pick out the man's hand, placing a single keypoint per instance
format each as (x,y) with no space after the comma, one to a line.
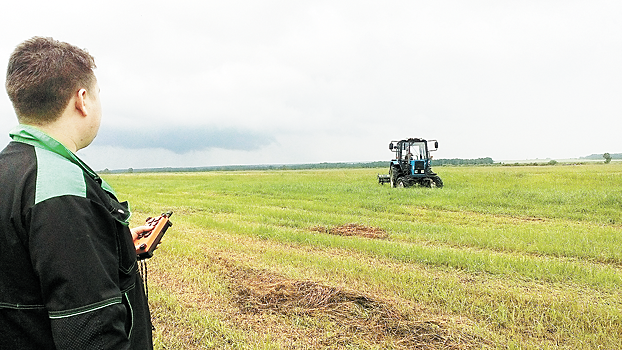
(138,230)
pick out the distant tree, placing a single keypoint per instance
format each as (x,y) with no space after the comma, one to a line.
(607,157)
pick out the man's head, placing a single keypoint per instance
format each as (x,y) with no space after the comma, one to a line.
(42,76)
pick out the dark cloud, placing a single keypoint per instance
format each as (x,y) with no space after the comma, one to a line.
(182,139)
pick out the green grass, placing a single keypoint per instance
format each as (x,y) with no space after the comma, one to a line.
(518,257)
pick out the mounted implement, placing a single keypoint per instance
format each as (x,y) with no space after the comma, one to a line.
(412,164)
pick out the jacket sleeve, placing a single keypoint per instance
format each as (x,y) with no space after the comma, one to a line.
(74,248)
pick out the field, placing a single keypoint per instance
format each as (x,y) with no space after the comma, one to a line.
(500,258)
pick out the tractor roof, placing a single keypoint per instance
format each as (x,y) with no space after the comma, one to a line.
(411,140)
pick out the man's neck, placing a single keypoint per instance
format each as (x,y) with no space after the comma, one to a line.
(61,133)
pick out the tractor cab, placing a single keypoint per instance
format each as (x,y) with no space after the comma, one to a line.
(412,155)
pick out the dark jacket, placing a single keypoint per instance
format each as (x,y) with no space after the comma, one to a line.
(68,270)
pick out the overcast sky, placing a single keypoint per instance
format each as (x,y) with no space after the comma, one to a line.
(200,83)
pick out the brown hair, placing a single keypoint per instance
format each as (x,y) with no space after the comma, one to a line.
(43,74)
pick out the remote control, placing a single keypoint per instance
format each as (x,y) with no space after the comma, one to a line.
(147,242)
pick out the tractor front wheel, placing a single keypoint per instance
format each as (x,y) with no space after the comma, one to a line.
(438,183)
(401,183)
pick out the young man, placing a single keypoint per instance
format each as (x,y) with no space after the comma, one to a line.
(68,271)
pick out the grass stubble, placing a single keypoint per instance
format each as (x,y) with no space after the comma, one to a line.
(263,309)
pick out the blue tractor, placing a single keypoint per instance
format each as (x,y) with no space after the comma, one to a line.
(412,164)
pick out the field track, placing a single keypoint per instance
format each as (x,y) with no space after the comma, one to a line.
(500,258)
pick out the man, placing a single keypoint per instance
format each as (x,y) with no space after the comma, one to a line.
(68,271)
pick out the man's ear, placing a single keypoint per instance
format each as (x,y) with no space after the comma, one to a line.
(81,102)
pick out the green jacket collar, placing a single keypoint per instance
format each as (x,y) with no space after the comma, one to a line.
(35,137)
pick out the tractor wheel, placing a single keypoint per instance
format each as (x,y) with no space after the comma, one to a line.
(438,183)
(393,177)
(401,183)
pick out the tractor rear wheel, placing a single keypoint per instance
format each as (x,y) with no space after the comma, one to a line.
(393,177)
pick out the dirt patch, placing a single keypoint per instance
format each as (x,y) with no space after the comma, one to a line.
(352,230)
(351,316)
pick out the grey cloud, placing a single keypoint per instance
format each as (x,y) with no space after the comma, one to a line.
(182,139)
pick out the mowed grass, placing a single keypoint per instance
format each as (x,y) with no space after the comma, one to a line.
(501,257)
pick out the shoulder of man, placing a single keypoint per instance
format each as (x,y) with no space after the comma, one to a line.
(57,176)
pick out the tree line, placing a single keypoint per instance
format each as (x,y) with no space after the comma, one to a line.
(599,156)
(459,161)
(325,165)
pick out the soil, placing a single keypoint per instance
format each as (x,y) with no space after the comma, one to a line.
(352,230)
